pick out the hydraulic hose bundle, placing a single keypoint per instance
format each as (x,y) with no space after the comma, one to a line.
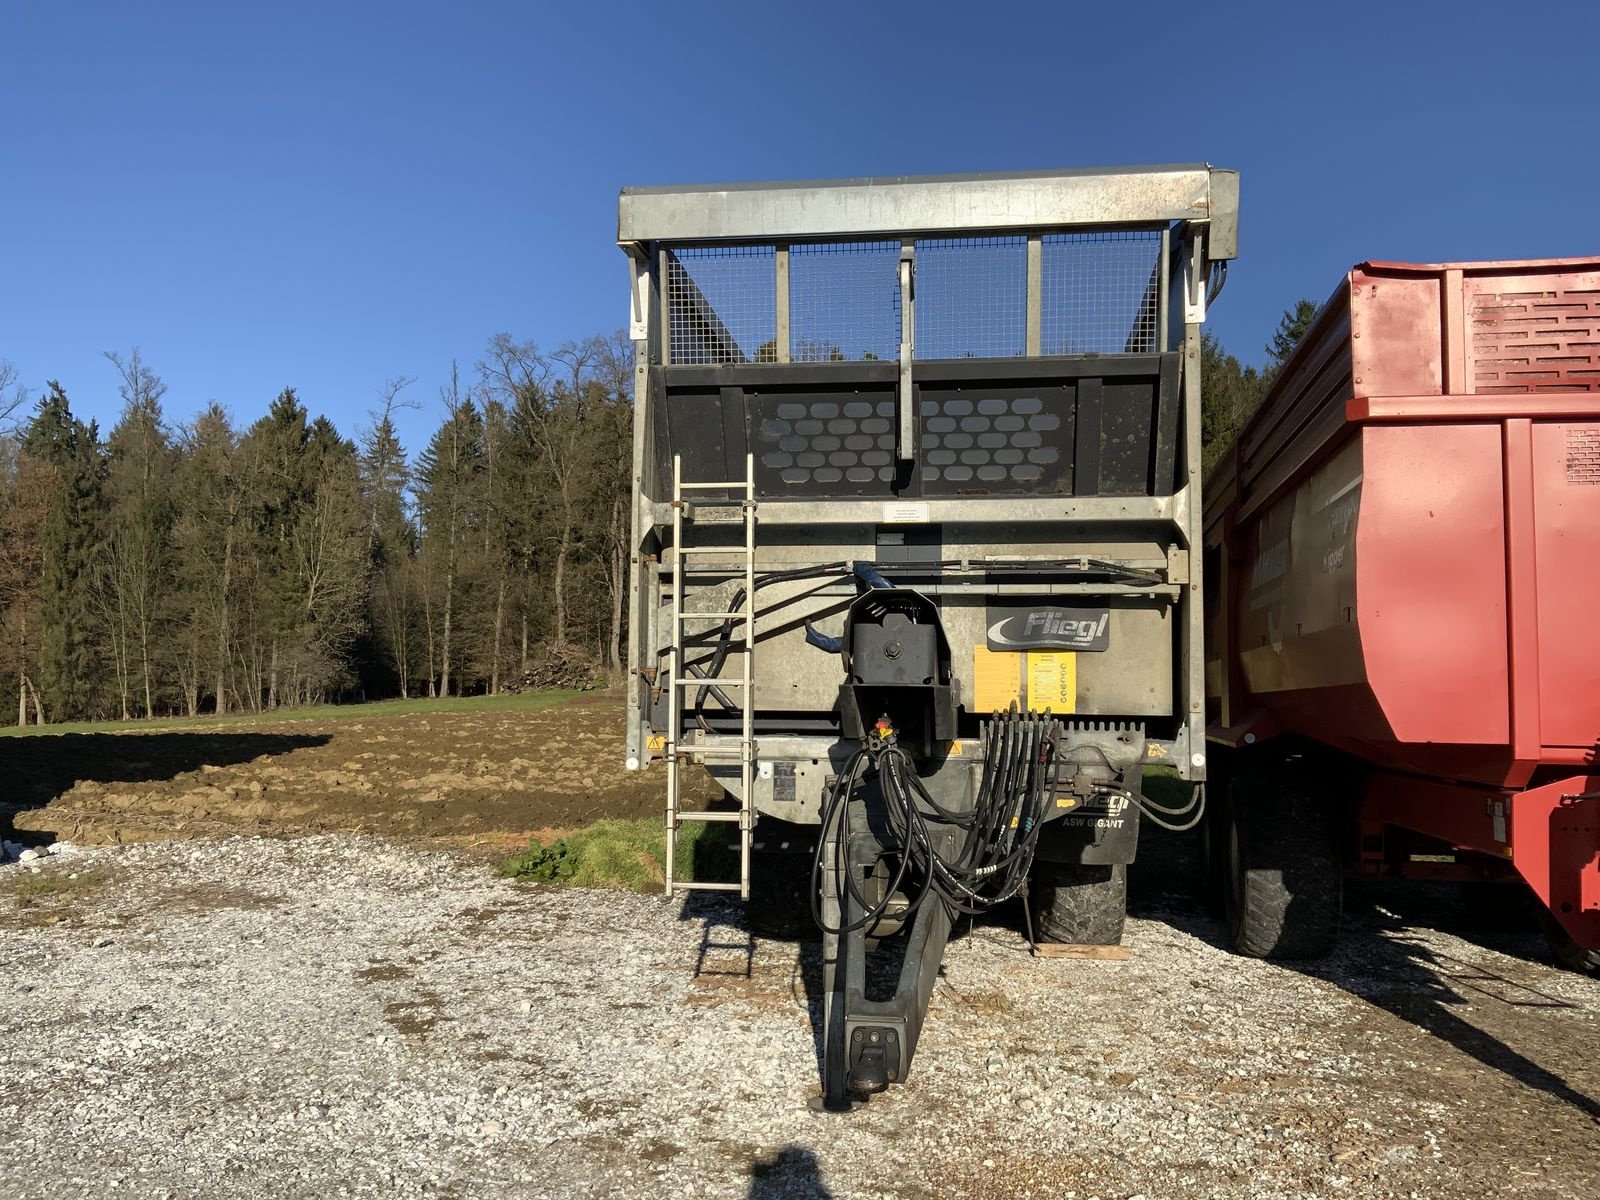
(998,837)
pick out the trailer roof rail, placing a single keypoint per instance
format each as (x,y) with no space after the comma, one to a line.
(914,204)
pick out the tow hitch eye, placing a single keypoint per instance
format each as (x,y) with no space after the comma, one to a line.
(874,1058)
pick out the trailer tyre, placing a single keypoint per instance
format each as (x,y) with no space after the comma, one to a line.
(1285,874)
(1566,949)
(1080,904)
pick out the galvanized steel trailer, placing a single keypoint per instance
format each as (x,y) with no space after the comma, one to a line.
(916,474)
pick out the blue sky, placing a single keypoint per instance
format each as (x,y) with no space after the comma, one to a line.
(328,195)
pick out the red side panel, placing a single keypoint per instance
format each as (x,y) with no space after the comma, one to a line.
(1566,503)
(1555,840)
(1430,549)
(1395,319)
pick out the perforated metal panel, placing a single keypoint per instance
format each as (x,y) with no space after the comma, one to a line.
(996,440)
(814,445)
(1535,333)
(1088,426)
(1583,456)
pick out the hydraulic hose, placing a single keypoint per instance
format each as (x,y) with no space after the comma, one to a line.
(1001,833)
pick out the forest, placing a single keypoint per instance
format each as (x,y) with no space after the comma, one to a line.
(209,566)
(212,566)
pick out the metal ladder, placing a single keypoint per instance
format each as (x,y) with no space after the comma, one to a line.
(678,679)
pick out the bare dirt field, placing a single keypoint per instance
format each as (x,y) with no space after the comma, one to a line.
(363,1013)
(483,777)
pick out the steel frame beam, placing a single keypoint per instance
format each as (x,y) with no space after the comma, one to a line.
(899,206)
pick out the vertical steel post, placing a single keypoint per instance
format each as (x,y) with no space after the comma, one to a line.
(639,523)
(904,442)
(674,670)
(1035,295)
(747,803)
(1191,703)
(780,272)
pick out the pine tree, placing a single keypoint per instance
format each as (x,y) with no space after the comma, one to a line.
(209,537)
(391,547)
(1292,327)
(72,681)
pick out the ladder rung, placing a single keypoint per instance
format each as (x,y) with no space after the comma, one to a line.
(682,550)
(719,682)
(706,616)
(719,815)
(707,485)
(729,752)
(679,886)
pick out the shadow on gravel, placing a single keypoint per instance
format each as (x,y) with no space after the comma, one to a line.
(791,1174)
(1416,983)
(1375,960)
(727,946)
(39,768)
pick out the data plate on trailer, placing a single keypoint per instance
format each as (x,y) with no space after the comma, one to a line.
(783,781)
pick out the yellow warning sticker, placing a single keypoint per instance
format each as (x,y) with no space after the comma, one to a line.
(655,743)
(996,679)
(1053,680)
(1036,679)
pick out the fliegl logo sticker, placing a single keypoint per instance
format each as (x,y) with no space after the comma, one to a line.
(1049,628)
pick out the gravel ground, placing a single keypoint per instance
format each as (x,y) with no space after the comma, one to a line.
(335,1015)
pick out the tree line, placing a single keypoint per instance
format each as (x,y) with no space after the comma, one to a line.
(204,566)
(1230,391)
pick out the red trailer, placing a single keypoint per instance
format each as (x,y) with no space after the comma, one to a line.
(1402,561)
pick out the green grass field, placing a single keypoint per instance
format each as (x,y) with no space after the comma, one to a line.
(321,714)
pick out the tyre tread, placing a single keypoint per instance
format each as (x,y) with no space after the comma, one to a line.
(1291,890)
(1081,905)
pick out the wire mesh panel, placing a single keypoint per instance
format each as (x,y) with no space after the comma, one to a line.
(722,304)
(844,301)
(972,297)
(1100,292)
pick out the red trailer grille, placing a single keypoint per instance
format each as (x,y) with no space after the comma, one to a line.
(1535,333)
(1583,455)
